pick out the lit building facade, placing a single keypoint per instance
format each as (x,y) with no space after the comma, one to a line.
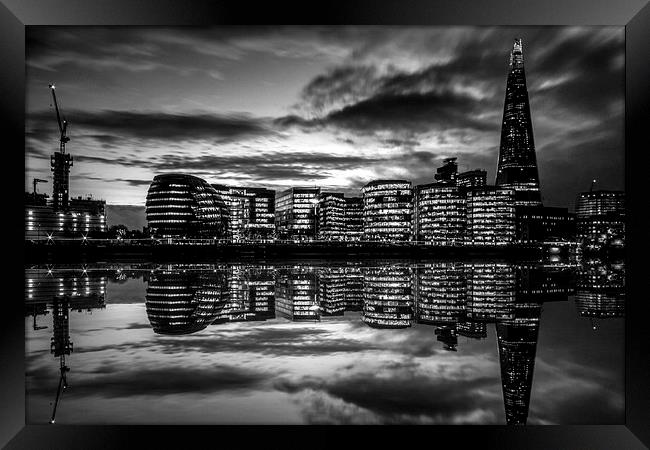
(251,295)
(440,216)
(387,297)
(353,293)
(295,213)
(490,216)
(517,167)
(387,210)
(331,216)
(331,290)
(184,206)
(251,211)
(600,218)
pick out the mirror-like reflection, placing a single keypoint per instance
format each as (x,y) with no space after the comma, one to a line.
(457,317)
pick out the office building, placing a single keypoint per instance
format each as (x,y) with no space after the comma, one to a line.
(331,290)
(251,212)
(330,210)
(440,216)
(184,206)
(440,293)
(490,216)
(447,173)
(84,217)
(490,291)
(353,293)
(295,213)
(600,218)
(353,218)
(387,210)
(517,167)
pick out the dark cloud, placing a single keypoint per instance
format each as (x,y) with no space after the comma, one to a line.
(158,125)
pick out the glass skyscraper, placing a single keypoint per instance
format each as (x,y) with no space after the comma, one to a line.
(517,163)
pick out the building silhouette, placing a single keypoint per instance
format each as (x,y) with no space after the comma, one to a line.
(517,167)
(472,178)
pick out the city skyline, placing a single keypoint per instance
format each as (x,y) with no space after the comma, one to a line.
(347,107)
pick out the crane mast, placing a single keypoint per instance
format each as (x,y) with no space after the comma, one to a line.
(63,124)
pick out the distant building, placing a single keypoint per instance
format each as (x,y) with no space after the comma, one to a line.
(440,293)
(353,218)
(295,213)
(83,217)
(184,206)
(490,216)
(387,210)
(543,224)
(251,211)
(440,214)
(331,223)
(60,164)
(600,218)
(472,178)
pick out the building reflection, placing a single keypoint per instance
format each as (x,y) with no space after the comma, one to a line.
(331,290)
(387,297)
(181,301)
(251,295)
(490,291)
(600,291)
(296,294)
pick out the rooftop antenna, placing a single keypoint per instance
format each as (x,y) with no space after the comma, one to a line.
(593,182)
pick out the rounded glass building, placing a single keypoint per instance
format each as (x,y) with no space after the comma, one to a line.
(387,210)
(185,206)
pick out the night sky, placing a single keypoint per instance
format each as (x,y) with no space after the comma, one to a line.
(329,106)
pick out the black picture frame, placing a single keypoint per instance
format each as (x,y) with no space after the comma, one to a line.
(633,14)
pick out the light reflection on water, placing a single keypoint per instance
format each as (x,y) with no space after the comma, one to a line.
(445,342)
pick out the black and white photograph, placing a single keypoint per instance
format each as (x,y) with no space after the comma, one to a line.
(325,225)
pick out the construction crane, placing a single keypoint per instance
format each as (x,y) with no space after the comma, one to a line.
(593,183)
(63,124)
(38,180)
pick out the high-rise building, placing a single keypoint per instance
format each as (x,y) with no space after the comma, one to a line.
(60,164)
(295,213)
(600,218)
(517,162)
(251,211)
(185,206)
(387,210)
(440,215)
(472,178)
(387,297)
(331,216)
(353,218)
(490,216)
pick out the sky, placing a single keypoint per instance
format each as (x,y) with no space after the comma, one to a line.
(330,106)
(337,371)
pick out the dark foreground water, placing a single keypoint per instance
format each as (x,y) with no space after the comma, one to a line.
(439,343)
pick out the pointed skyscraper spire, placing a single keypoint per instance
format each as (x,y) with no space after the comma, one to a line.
(517,163)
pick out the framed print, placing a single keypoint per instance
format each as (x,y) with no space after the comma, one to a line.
(262,220)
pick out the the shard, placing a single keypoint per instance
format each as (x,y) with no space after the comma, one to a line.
(517,163)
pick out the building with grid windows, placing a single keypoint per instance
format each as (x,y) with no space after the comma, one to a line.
(353,218)
(387,297)
(251,211)
(295,213)
(330,211)
(296,294)
(84,217)
(440,216)
(387,210)
(600,218)
(490,216)
(185,206)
